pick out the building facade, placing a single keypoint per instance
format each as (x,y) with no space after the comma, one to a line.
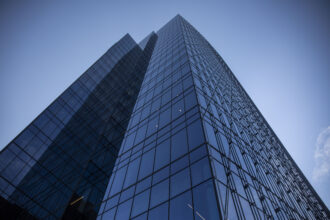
(156,130)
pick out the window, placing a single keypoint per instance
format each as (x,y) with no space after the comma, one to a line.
(201,99)
(118,181)
(180,207)
(179,144)
(147,164)
(132,172)
(140,203)
(141,132)
(144,184)
(177,109)
(220,172)
(205,204)
(152,126)
(159,213)
(162,154)
(129,141)
(140,217)
(161,175)
(200,171)
(166,97)
(180,182)
(190,100)
(198,154)
(238,184)
(231,214)
(176,90)
(112,202)
(187,82)
(110,214)
(195,134)
(155,105)
(246,209)
(128,193)
(225,144)
(179,164)
(122,212)
(164,117)
(159,193)
(210,135)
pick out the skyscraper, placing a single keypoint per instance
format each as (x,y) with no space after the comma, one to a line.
(159,130)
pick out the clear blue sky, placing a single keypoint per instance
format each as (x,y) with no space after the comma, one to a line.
(279,50)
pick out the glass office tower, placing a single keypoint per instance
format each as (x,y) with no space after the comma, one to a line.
(156,130)
(59,166)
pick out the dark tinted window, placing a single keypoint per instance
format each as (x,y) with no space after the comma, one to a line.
(205,202)
(180,182)
(181,207)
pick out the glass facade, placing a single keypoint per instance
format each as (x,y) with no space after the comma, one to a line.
(156,130)
(59,166)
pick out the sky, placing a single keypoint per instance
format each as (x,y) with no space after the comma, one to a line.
(279,51)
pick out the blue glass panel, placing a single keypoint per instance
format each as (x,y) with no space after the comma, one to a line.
(240,157)
(225,144)
(198,154)
(205,204)
(176,90)
(140,203)
(162,154)
(144,184)
(179,164)
(155,105)
(220,172)
(145,112)
(161,175)
(181,207)
(109,215)
(166,97)
(246,209)
(231,208)
(185,69)
(159,213)
(179,144)
(128,193)
(256,197)
(187,82)
(177,109)
(195,134)
(201,99)
(159,193)
(141,217)
(123,210)
(146,164)
(210,135)
(190,100)
(152,126)
(215,154)
(118,181)
(164,117)
(112,202)
(129,141)
(132,172)
(200,171)
(180,182)
(140,134)
(238,184)
(6,157)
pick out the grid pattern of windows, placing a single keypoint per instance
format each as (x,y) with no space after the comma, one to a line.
(156,130)
(163,168)
(255,176)
(197,147)
(59,165)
